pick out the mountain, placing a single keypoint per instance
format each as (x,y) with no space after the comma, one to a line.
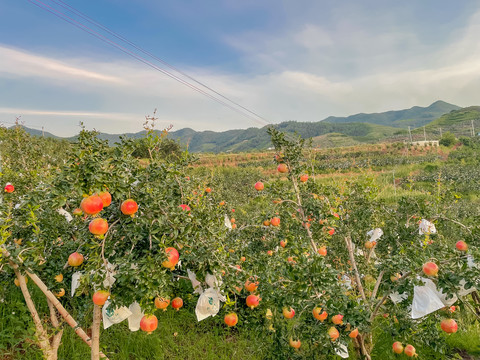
(333,131)
(414,117)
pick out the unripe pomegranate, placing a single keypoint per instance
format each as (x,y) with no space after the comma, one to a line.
(333,333)
(177,303)
(319,315)
(370,244)
(449,326)
(430,269)
(59,278)
(106,198)
(162,303)
(100,297)
(461,245)
(129,207)
(259,186)
(98,226)
(251,286)
(337,319)
(252,301)
(282,168)
(60,293)
(288,313)
(172,258)
(397,347)
(283,243)
(231,319)
(295,344)
(91,205)
(270,253)
(410,351)
(77,212)
(275,221)
(75,259)
(149,323)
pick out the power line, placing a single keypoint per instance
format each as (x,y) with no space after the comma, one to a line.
(87,29)
(113,33)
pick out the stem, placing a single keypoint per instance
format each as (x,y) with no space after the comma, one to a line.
(363,347)
(377,285)
(302,213)
(348,242)
(97,313)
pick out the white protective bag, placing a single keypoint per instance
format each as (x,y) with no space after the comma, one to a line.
(427,299)
(111,317)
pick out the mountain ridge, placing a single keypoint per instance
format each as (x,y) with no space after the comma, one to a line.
(356,128)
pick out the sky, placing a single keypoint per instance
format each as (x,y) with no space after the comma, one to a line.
(280,60)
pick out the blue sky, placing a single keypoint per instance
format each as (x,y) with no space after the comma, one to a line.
(285,60)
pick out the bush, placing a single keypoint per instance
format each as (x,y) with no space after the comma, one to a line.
(448,139)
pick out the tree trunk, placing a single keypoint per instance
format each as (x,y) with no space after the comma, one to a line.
(97,313)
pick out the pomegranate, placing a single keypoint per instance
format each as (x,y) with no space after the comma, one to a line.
(251,286)
(410,351)
(91,205)
(162,303)
(100,297)
(106,198)
(60,293)
(252,301)
(304,178)
(149,323)
(59,278)
(337,319)
(98,226)
(172,258)
(129,207)
(319,315)
(288,313)
(75,259)
(323,251)
(397,347)
(283,243)
(184,207)
(177,303)
(354,333)
(295,344)
(333,333)
(208,190)
(9,188)
(461,245)
(449,326)
(275,221)
(231,319)
(282,168)
(259,186)
(430,269)
(77,212)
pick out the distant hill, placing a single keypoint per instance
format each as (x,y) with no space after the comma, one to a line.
(333,131)
(414,117)
(457,116)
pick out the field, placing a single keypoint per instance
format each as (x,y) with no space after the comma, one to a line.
(226,227)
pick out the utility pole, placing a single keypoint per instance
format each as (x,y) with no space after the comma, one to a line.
(440,133)
(43,132)
(473,130)
(410,134)
(424,134)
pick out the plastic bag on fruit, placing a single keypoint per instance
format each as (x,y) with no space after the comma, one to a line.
(427,299)
(134,319)
(397,297)
(66,214)
(75,281)
(375,234)
(197,285)
(208,303)
(426,227)
(228,223)
(342,351)
(111,316)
